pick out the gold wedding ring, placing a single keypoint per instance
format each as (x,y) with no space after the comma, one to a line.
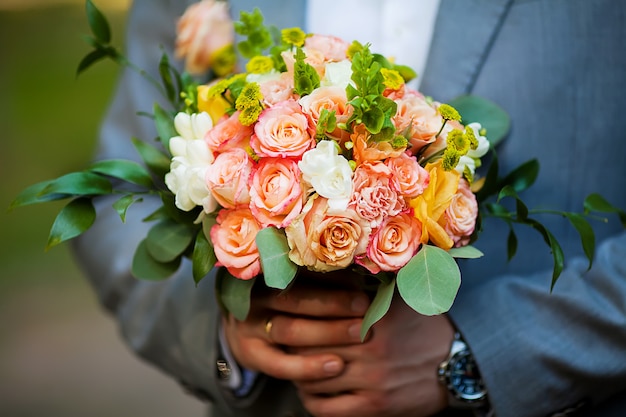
(268,327)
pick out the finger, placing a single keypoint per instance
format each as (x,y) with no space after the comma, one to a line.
(318,302)
(303,332)
(343,404)
(274,362)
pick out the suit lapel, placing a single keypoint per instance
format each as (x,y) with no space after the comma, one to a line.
(464,33)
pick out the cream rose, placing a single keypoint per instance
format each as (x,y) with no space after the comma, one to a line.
(282,131)
(233,241)
(393,244)
(227,178)
(324,240)
(460,216)
(276,196)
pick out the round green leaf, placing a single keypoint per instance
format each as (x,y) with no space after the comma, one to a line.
(379,307)
(278,270)
(466,252)
(429,282)
(167,240)
(491,116)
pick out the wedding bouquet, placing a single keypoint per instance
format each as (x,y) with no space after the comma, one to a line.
(318,156)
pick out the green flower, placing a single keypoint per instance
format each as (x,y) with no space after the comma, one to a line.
(249,103)
(392,78)
(260,65)
(449,113)
(293,36)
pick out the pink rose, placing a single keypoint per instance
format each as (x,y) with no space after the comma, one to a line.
(331,99)
(460,216)
(276,195)
(204,28)
(421,117)
(393,244)
(227,178)
(331,47)
(375,193)
(228,133)
(282,131)
(324,240)
(411,176)
(277,90)
(233,241)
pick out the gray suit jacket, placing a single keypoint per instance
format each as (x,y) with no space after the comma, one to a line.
(558,68)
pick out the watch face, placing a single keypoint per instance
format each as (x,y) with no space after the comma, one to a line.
(464,377)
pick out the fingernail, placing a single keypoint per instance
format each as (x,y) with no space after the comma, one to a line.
(360,304)
(332,367)
(355,331)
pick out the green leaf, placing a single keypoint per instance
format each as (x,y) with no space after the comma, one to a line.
(521,209)
(129,171)
(74,219)
(155,160)
(466,252)
(147,268)
(168,239)
(90,59)
(278,269)
(121,205)
(98,23)
(379,307)
(164,125)
(490,187)
(429,282)
(587,235)
(511,244)
(555,248)
(491,116)
(203,258)
(595,202)
(235,294)
(523,176)
(33,195)
(80,184)
(166,78)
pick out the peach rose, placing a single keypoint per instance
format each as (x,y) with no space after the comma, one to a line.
(331,47)
(375,193)
(331,99)
(324,240)
(277,90)
(227,178)
(228,133)
(233,241)
(276,195)
(423,119)
(282,131)
(365,150)
(412,177)
(460,216)
(393,244)
(204,29)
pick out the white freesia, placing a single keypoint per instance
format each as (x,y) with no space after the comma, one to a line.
(337,74)
(328,173)
(191,158)
(468,162)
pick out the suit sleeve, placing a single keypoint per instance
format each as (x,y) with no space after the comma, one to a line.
(539,351)
(172,323)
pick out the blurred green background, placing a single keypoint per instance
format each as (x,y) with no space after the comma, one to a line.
(60,354)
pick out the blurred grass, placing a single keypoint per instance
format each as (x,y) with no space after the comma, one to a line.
(49,120)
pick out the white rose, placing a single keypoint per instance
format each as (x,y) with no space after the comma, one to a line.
(328,173)
(337,74)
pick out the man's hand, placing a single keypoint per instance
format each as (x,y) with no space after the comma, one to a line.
(302,317)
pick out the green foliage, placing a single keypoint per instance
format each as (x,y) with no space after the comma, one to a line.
(147,268)
(121,206)
(379,306)
(125,170)
(491,116)
(98,23)
(274,250)
(203,257)
(234,294)
(155,160)
(168,240)
(74,219)
(258,36)
(305,77)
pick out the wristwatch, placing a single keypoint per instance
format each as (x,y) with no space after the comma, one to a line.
(459,373)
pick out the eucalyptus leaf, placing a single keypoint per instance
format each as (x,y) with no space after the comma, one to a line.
(203,257)
(466,252)
(155,160)
(164,124)
(121,206)
(587,235)
(168,240)
(429,282)
(278,270)
(491,116)
(98,23)
(147,268)
(379,306)
(79,184)
(33,195)
(122,169)
(235,294)
(74,219)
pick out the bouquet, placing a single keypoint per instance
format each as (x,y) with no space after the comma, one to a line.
(318,156)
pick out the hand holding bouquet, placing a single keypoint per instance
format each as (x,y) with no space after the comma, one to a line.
(319,156)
